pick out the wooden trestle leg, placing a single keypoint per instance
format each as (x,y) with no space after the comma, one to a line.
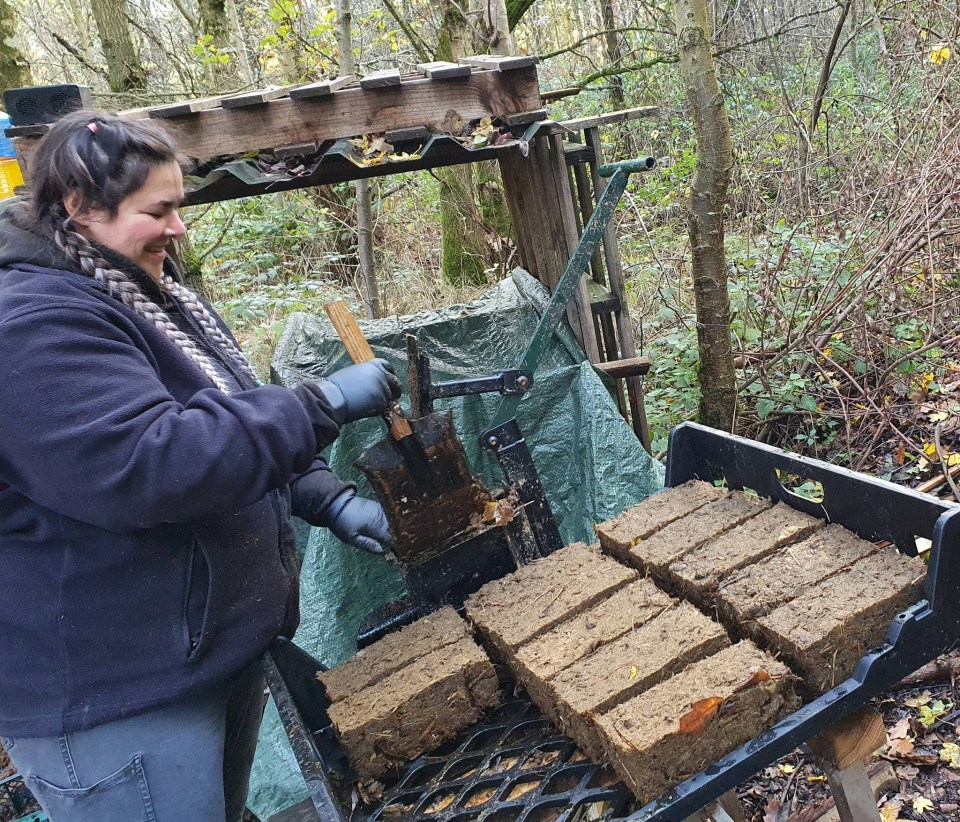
(843,752)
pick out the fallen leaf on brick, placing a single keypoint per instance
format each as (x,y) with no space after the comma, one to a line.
(701,712)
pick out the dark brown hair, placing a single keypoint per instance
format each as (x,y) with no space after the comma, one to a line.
(99,158)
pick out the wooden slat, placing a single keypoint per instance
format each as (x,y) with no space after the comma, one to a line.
(299,150)
(35,130)
(351,112)
(419,134)
(138,113)
(630,367)
(583,123)
(525,117)
(254,98)
(321,88)
(386,78)
(442,70)
(183,108)
(491,61)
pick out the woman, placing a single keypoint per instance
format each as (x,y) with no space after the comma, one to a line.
(146,560)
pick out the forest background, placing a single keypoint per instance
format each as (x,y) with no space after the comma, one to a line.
(840,213)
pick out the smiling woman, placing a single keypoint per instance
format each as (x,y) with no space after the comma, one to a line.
(146,558)
(145,223)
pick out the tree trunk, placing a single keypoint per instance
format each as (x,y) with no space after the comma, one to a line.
(14,69)
(614,53)
(215,24)
(463,257)
(125,71)
(361,188)
(705,215)
(81,20)
(464,246)
(494,214)
(492,27)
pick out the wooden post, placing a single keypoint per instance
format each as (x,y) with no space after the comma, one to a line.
(537,189)
(726,809)
(843,751)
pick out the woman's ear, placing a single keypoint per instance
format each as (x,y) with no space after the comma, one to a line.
(80,216)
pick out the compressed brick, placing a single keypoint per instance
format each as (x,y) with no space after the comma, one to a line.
(415,709)
(535,598)
(697,575)
(655,553)
(393,652)
(628,666)
(548,654)
(642,738)
(620,534)
(758,589)
(824,631)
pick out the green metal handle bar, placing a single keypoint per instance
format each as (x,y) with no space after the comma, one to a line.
(618,173)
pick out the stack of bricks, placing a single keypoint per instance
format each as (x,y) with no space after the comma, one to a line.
(409,692)
(682,640)
(601,640)
(815,594)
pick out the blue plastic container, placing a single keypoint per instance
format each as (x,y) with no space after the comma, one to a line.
(6,144)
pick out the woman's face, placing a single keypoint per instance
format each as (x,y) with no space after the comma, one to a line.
(145,223)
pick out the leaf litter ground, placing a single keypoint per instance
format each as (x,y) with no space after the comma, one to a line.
(923,748)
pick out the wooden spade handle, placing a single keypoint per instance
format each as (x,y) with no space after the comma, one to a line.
(350,334)
(360,351)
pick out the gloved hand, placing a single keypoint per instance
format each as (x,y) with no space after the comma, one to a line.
(359,522)
(361,390)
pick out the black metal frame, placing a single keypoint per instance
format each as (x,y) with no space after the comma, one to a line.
(874,509)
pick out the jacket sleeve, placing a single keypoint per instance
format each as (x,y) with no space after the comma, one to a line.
(312,492)
(91,432)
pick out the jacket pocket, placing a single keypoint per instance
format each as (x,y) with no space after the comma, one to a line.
(196,602)
(123,796)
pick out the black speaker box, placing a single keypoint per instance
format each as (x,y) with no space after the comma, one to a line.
(43,104)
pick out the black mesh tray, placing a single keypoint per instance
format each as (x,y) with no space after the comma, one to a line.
(874,509)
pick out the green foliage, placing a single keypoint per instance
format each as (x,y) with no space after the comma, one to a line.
(265,258)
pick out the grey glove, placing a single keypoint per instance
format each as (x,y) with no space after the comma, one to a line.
(359,522)
(361,390)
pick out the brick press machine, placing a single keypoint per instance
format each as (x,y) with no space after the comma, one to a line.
(514,764)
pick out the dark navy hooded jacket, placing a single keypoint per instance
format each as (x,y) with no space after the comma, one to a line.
(145,552)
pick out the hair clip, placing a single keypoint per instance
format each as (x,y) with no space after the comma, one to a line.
(92,126)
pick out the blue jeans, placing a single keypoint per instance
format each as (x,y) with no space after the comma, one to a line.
(186,762)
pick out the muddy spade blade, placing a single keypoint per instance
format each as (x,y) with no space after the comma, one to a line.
(424,511)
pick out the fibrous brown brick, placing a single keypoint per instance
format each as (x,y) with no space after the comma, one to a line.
(642,737)
(393,652)
(535,598)
(696,575)
(758,589)
(655,553)
(619,535)
(628,666)
(609,619)
(824,631)
(415,709)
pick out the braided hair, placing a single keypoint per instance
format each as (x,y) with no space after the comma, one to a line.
(99,160)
